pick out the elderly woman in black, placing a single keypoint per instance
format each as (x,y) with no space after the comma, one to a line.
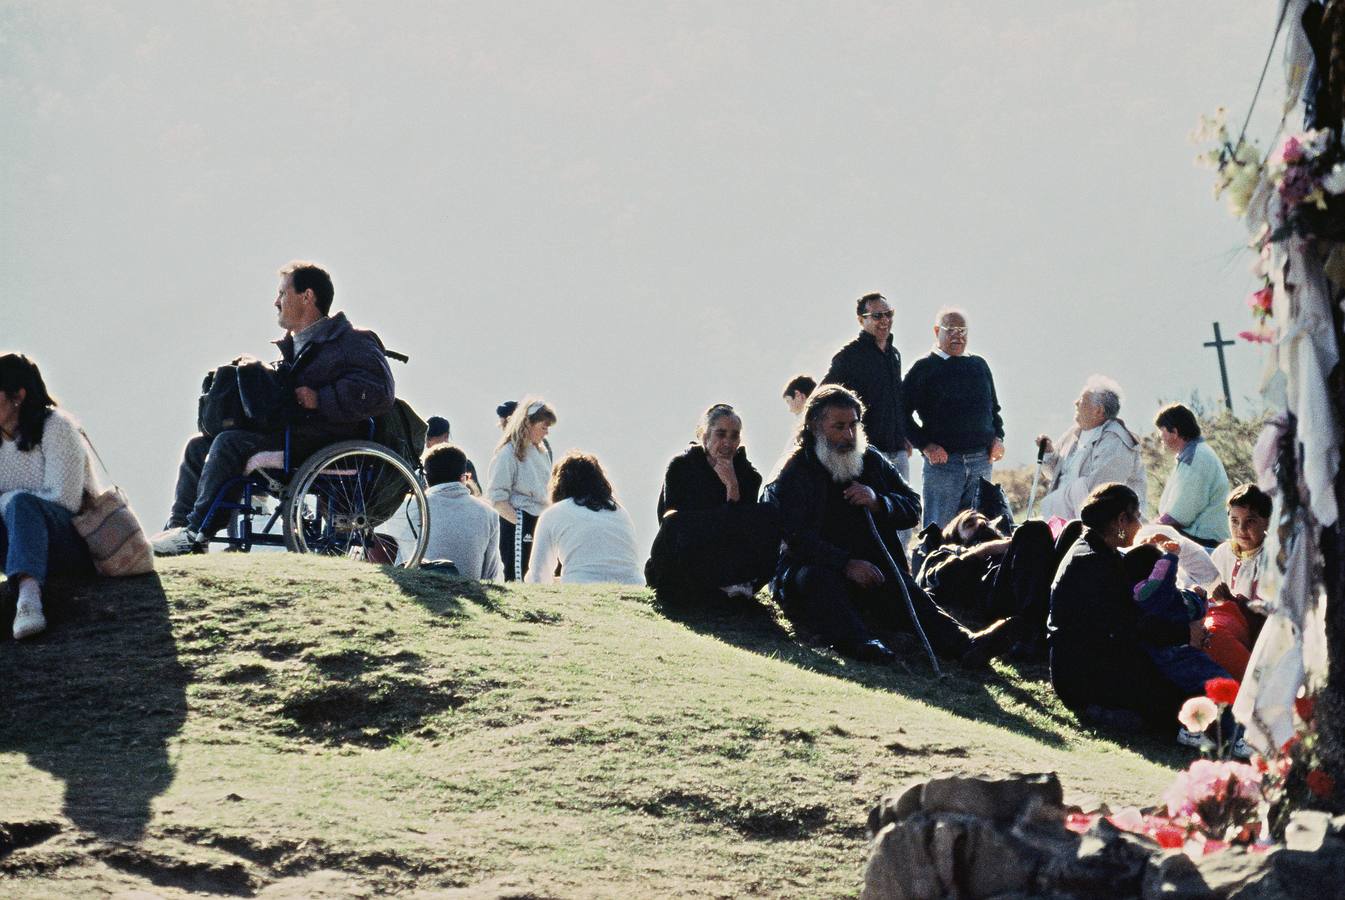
(1096,630)
(714,539)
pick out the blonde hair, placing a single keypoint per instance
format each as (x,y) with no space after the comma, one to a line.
(530,411)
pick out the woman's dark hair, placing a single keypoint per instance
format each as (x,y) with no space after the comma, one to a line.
(1251,497)
(1106,503)
(579,477)
(19,372)
(1175,417)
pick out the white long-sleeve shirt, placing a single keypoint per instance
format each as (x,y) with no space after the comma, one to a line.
(463,529)
(522,482)
(592,546)
(57,469)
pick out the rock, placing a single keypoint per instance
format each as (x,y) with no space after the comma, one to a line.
(925,857)
(1176,876)
(998,799)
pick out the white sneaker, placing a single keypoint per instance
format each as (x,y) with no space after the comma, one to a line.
(28,620)
(175,542)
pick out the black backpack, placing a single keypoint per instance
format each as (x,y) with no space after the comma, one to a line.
(245,394)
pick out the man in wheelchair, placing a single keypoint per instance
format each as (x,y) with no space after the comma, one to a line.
(340,380)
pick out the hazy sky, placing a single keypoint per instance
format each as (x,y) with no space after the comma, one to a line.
(634,209)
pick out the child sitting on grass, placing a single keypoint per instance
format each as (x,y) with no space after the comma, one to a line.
(1153,572)
(1236,611)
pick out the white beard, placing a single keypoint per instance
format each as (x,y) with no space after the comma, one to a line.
(842,466)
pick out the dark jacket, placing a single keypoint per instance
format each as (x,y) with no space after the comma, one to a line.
(874,374)
(691,483)
(347,368)
(1094,615)
(820,528)
(956,401)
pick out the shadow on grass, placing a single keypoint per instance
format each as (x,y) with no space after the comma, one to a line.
(443,594)
(96,699)
(754,626)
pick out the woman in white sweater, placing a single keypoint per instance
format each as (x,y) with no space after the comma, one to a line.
(44,470)
(584,530)
(517,483)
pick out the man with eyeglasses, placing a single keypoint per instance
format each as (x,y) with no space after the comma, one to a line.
(960,431)
(871,367)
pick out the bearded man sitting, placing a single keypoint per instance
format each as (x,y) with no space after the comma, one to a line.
(842,566)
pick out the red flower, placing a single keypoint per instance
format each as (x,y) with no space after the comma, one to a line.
(1262,300)
(1261,765)
(1170,836)
(1320,783)
(1289,745)
(1222,690)
(1305,706)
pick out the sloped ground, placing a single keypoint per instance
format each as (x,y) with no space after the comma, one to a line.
(285,726)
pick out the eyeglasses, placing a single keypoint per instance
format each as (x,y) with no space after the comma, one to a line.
(881,315)
(954,330)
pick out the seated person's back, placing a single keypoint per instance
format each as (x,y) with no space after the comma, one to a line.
(463,528)
(584,530)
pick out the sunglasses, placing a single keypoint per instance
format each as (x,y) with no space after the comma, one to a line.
(881,315)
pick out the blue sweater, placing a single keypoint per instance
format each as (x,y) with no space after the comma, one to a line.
(956,402)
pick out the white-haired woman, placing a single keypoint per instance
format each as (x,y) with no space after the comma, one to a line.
(1097,449)
(517,485)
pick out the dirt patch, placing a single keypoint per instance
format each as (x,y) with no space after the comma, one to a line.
(365,712)
(231,878)
(777,819)
(17,835)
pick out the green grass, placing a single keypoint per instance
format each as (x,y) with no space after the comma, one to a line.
(297,726)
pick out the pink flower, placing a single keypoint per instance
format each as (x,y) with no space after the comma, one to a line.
(1291,151)
(1296,184)
(1222,691)
(1257,337)
(1263,299)
(1198,713)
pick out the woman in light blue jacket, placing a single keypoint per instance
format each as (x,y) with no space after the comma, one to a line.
(1193,498)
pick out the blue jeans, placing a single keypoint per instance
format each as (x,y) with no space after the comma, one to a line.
(37,536)
(950,487)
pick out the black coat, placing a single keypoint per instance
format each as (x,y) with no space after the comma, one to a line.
(1095,628)
(820,528)
(348,370)
(874,374)
(691,483)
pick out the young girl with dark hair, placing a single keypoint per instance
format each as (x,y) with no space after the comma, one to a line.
(44,472)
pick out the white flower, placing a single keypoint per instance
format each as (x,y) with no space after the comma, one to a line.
(1315,142)
(1198,713)
(1334,181)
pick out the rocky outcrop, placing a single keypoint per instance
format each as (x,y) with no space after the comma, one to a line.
(1005,838)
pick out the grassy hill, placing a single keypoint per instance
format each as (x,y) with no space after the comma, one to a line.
(286,726)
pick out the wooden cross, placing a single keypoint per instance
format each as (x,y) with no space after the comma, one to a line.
(1219,344)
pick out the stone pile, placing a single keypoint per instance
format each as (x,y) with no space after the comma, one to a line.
(1005,838)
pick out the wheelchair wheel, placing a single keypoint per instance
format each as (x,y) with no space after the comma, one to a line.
(357,499)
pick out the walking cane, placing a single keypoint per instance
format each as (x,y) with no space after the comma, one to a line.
(1036,477)
(906,595)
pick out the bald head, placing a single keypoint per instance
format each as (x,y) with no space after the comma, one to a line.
(950,331)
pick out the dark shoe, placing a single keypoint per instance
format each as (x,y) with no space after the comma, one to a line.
(874,651)
(989,643)
(1029,650)
(1112,719)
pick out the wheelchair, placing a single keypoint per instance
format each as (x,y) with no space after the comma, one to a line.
(354,498)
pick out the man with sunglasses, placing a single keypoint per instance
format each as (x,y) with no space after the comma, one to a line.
(960,432)
(870,366)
